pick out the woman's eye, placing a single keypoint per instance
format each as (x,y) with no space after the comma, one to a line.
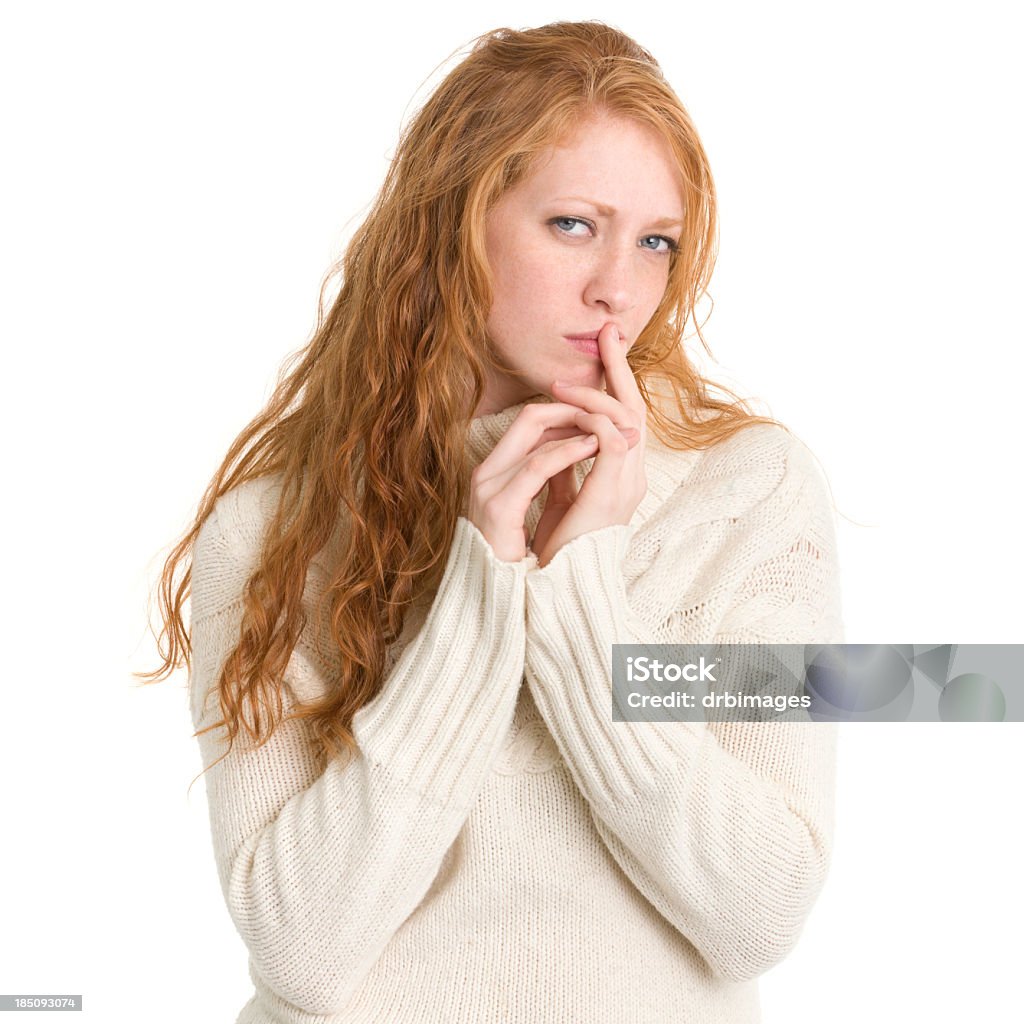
(658,243)
(570,225)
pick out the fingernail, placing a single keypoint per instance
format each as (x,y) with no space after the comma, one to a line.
(560,384)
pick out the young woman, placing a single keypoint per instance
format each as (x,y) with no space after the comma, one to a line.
(493,462)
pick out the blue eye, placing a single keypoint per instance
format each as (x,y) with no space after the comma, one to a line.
(670,244)
(566,225)
(652,243)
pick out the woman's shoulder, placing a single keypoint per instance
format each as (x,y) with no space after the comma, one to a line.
(757,463)
(228,544)
(759,450)
(241,514)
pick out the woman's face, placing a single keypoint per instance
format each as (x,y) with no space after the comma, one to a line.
(582,241)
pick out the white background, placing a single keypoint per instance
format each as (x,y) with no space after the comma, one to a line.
(176,181)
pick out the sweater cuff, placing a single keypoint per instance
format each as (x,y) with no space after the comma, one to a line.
(444,708)
(584,580)
(576,609)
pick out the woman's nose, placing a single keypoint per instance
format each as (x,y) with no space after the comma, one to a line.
(611,281)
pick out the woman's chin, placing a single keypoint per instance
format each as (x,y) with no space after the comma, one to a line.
(591,376)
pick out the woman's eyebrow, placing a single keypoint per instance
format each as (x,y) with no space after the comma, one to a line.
(610,211)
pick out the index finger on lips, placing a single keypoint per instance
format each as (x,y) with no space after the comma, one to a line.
(618,373)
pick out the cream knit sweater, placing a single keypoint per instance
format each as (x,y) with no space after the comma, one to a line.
(501,852)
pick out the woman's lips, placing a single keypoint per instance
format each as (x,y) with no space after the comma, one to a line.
(584,344)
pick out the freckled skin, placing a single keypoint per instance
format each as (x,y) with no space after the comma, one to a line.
(571,265)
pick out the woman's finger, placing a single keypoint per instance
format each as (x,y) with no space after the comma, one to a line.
(528,430)
(592,400)
(604,483)
(619,377)
(519,486)
(534,434)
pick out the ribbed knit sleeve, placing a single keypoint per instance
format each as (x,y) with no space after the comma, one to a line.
(320,869)
(726,828)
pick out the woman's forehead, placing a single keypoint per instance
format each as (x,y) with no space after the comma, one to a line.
(611,161)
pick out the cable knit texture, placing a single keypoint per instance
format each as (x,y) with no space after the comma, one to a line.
(501,851)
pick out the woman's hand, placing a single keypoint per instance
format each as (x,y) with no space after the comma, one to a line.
(544,441)
(616,484)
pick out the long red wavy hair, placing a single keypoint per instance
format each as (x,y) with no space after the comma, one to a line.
(370,419)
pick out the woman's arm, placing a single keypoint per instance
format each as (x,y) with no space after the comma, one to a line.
(319,869)
(726,828)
